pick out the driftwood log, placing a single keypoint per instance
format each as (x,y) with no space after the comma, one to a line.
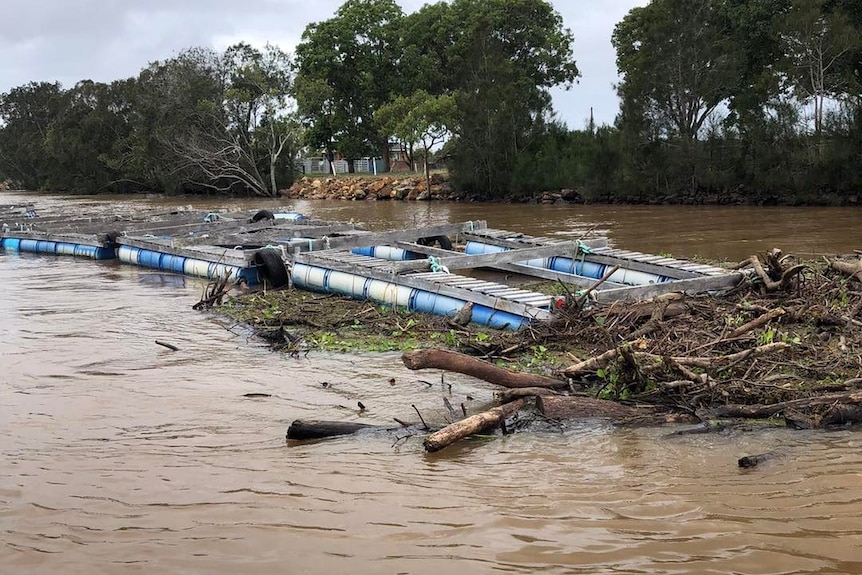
(313,429)
(603,360)
(508,395)
(774,277)
(571,407)
(460,363)
(471,425)
(757,322)
(850,269)
(764,411)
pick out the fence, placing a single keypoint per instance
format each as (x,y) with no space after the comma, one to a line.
(361,166)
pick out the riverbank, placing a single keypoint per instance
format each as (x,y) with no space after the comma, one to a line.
(414,188)
(406,188)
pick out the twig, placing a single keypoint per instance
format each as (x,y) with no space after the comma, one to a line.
(425,425)
(596,285)
(450,409)
(167,345)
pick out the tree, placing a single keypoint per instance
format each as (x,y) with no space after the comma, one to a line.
(506,56)
(420,118)
(346,71)
(179,96)
(817,43)
(26,113)
(427,60)
(80,141)
(251,128)
(753,27)
(678,61)
(216,122)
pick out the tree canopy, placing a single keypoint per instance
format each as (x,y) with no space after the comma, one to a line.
(494,59)
(200,122)
(756,101)
(346,71)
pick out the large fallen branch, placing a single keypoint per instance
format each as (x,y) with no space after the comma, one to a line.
(776,278)
(592,364)
(574,407)
(460,363)
(723,360)
(850,269)
(471,425)
(756,323)
(759,411)
(603,360)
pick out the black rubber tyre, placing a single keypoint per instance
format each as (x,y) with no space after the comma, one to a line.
(262,215)
(443,241)
(271,268)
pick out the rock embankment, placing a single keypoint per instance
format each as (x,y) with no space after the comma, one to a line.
(409,188)
(373,188)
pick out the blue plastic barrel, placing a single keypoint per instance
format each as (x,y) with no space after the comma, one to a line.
(10,244)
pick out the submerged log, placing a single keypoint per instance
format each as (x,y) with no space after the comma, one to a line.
(460,363)
(750,461)
(764,411)
(313,429)
(471,425)
(841,414)
(573,407)
(512,394)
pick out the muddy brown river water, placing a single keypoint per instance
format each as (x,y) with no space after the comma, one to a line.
(120,456)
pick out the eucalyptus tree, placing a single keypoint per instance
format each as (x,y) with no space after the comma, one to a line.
(819,44)
(678,62)
(216,122)
(505,57)
(346,69)
(259,107)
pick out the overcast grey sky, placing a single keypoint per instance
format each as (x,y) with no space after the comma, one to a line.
(104,40)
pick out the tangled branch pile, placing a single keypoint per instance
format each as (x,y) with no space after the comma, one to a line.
(787,342)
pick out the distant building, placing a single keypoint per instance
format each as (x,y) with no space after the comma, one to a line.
(399,161)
